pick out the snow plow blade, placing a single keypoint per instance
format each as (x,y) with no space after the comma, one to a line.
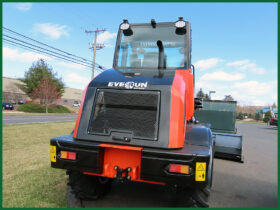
(228,146)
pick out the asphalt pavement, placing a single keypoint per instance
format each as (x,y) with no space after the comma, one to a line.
(249,184)
(22,119)
(253,183)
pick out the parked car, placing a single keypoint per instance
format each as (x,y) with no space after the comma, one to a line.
(76,104)
(6,105)
(273,121)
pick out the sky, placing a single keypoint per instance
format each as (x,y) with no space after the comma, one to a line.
(234,45)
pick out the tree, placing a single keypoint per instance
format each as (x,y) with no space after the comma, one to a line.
(35,74)
(267,116)
(228,98)
(47,91)
(257,116)
(240,116)
(200,94)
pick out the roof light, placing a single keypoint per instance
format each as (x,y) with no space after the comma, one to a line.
(180,26)
(125,25)
(180,23)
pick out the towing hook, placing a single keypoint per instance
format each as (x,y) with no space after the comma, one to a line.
(122,174)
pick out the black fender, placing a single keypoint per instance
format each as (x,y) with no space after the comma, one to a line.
(200,135)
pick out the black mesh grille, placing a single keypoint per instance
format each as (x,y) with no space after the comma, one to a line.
(126,110)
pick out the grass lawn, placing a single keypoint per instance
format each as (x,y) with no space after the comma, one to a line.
(28,179)
(251,121)
(39,108)
(73,109)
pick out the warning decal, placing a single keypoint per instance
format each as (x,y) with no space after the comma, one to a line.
(200,171)
(53,153)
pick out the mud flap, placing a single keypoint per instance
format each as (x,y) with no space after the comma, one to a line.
(228,146)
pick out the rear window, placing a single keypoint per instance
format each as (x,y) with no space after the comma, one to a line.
(130,111)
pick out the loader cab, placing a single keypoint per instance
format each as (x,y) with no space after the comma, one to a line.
(148,97)
(148,46)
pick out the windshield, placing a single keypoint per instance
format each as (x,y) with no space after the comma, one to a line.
(140,50)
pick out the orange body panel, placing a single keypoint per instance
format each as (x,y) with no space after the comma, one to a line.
(182,107)
(121,147)
(123,157)
(189,95)
(80,112)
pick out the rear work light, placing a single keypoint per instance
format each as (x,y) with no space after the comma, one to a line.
(178,168)
(125,27)
(68,155)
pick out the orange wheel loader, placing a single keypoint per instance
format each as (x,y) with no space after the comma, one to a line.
(136,121)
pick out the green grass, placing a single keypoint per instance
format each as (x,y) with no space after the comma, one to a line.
(38,108)
(251,121)
(73,109)
(28,179)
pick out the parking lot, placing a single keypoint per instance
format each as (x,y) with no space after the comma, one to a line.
(249,184)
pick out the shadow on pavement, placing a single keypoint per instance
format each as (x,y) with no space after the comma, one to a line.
(227,191)
(240,191)
(135,194)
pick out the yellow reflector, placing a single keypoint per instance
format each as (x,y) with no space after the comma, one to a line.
(53,153)
(200,171)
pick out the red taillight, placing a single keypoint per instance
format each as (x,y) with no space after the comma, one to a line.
(68,155)
(177,168)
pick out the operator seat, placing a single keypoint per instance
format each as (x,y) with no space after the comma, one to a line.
(134,60)
(150,59)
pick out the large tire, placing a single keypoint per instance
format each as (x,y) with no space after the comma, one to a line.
(188,197)
(193,197)
(72,200)
(85,187)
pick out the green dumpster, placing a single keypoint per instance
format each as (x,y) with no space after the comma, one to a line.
(220,114)
(221,117)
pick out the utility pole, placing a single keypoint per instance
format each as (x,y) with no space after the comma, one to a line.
(95,47)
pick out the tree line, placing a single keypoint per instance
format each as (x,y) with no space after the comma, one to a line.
(205,96)
(41,83)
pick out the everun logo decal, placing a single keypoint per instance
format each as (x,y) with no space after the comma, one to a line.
(129,85)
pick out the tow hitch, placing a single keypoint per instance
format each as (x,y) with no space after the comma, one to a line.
(122,174)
